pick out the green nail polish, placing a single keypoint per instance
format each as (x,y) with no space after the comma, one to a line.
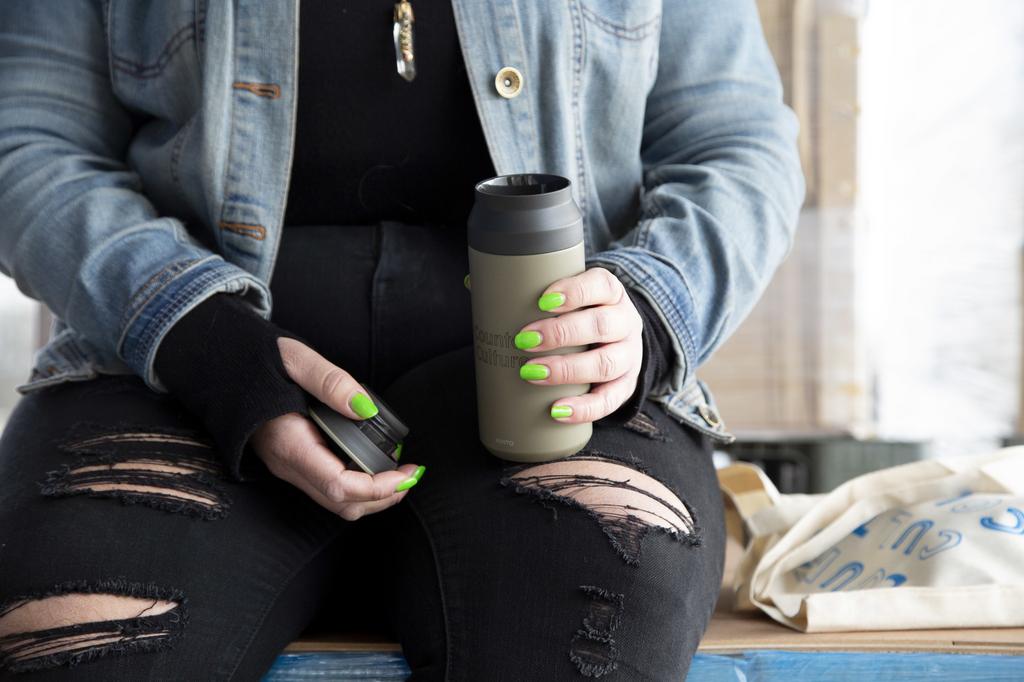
(406,484)
(465,281)
(550,301)
(527,340)
(412,480)
(534,372)
(363,406)
(560,411)
(398,452)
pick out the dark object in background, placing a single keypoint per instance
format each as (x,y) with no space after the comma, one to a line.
(820,464)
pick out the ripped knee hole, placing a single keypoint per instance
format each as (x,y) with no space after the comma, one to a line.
(626,502)
(76,622)
(172,470)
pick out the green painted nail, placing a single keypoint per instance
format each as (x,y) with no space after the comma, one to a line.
(412,480)
(527,340)
(465,281)
(552,300)
(398,452)
(363,406)
(560,411)
(534,372)
(406,484)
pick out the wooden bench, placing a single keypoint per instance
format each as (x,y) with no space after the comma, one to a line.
(736,646)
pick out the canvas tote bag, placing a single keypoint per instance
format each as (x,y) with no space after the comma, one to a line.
(936,543)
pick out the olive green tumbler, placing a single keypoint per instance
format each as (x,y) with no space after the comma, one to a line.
(525,231)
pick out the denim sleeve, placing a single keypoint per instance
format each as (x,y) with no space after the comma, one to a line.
(722,184)
(76,231)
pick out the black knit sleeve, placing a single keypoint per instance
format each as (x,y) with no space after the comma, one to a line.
(657,361)
(222,362)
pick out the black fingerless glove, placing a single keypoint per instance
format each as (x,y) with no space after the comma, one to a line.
(657,362)
(222,362)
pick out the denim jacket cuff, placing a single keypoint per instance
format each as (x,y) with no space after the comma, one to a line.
(647,274)
(193,282)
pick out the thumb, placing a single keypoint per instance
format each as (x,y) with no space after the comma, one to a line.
(327,382)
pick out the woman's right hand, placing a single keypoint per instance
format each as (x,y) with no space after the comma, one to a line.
(293,449)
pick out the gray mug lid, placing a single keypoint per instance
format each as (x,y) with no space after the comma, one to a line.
(524,213)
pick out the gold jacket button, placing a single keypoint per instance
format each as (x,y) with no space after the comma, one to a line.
(710,416)
(508,82)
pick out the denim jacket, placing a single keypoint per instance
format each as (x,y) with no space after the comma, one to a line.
(145,154)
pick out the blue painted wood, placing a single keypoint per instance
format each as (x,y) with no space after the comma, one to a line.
(787,666)
(338,666)
(752,666)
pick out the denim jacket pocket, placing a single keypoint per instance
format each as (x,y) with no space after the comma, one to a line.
(622,41)
(155,57)
(634,20)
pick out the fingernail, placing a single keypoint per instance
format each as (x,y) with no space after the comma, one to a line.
(560,411)
(363,406)
(550,301)
(398,452)
(465,281)
(534,372)
(527,340)
(412,480)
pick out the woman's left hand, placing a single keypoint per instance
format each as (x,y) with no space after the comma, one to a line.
(593,308)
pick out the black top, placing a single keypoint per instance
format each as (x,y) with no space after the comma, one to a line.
(369,146)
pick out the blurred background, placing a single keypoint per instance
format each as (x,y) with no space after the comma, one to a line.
(893,330)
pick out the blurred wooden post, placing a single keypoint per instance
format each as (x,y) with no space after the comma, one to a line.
(1020,370)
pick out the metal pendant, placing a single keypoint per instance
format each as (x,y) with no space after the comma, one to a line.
(405,60)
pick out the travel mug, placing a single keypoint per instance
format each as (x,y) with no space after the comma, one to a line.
(525,231)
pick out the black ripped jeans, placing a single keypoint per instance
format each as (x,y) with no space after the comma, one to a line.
(112,496)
